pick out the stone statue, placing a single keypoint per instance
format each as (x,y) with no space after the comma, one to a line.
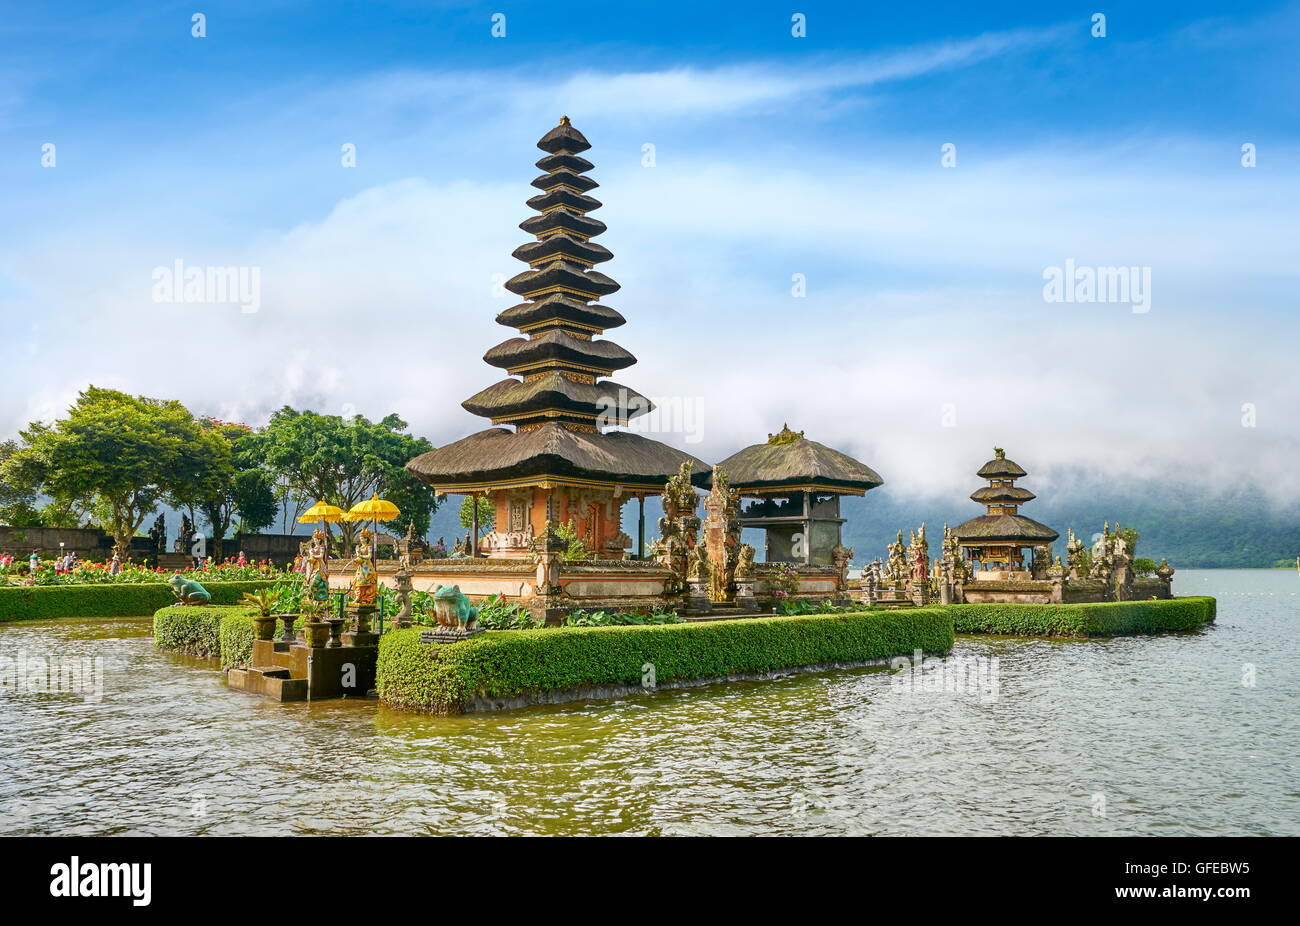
(186,539)
(188,592)
(697,569)
(158,534)
(1042,560)
(1073,554)
(745,563)
(920,564)
(841,556)
(896,562)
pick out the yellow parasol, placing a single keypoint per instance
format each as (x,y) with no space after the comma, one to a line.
(322,512)
(373,509)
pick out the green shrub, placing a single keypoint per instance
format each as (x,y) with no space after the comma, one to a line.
(1113,618)
(25,603)
(496,613)
(235,637)
(235,640)
(508,663)
(193,629)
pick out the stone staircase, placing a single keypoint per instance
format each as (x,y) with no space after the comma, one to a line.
(277,680)
(724,611)
(293,671)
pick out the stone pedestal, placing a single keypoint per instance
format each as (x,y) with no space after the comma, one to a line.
(360,635)
(1057,575)
(441,634)
(697,596)
(745,594)
(919,592)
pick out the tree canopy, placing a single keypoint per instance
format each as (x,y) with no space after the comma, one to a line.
(120,453)
(343,461)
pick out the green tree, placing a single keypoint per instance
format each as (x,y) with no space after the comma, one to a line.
(124,452)
(487,514)
(230,480)
(17,499)
(345,461)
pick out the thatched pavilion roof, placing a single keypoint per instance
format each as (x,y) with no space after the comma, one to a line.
(790,460)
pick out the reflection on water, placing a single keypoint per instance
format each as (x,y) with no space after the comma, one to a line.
(1159,733)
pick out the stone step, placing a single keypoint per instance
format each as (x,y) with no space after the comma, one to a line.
(729,615)
(282,688)
(269,671)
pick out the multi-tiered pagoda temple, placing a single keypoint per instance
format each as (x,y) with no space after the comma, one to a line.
(548,457)
(995,539)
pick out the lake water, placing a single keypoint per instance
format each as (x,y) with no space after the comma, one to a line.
(1195,734)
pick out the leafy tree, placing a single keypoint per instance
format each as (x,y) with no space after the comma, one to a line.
(487,514)
(255,500)
(17,498)
(230,480)
(124,452)
(344,461)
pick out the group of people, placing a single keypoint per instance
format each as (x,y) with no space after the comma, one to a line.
(63,563)
(66,563)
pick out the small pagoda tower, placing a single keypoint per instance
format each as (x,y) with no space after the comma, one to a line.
(557,464)
(993,543)
(794,486)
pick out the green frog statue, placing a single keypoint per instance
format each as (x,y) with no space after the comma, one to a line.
(453,610)
(188,592)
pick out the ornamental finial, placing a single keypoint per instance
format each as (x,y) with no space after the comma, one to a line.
(999,453)
(784,436)
(564,120)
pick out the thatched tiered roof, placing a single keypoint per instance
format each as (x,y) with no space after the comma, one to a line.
(557,395)
(1003,523)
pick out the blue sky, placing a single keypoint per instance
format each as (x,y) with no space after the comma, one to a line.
(775,156)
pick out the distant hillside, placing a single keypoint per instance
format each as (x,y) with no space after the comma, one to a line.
(1186,524)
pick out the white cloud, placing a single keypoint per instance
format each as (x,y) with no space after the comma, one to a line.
(924,285)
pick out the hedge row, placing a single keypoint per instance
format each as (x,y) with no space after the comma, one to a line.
(510,663)
(1084,620)
(39,602)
